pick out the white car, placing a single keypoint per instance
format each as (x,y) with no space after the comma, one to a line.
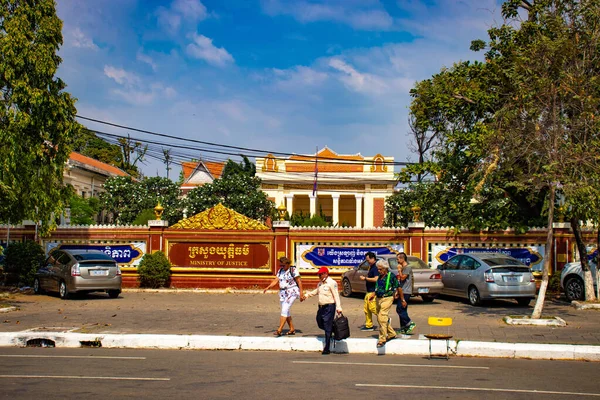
(571,280)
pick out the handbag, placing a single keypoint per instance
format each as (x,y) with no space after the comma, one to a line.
(341,327)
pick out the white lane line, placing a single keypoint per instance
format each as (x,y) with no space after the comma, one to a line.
(389,365)
(86,357)
(480,389)
(110,378)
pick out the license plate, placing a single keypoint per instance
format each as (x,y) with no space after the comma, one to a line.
(511,278)
(98,272)
(423,290)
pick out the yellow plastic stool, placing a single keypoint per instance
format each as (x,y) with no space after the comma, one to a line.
(439,322)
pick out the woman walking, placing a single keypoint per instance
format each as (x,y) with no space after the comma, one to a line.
(290,289)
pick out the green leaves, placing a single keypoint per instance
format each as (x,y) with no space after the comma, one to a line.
(37,120)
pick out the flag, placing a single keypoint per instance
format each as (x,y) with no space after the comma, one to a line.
(316,173)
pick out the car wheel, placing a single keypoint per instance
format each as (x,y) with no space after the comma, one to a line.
(523,301)
(427,299)
(63,291)
(346,288)
(574,289)
(474,298)
(113,294)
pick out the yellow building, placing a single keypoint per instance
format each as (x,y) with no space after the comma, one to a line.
(350,190)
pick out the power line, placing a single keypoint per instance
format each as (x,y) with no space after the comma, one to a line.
(259,151)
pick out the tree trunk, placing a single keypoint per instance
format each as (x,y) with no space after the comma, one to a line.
(539,303)
(585,265)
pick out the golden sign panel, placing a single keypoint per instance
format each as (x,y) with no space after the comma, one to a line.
(222,218)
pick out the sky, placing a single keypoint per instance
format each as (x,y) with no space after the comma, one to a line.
(289,76)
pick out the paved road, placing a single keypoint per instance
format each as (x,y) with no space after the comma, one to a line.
(101,373)
(256,314)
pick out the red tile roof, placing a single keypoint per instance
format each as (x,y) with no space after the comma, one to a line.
(98,165)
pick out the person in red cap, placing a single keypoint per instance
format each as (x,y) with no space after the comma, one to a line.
(329,304)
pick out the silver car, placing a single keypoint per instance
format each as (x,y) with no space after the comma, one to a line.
(427,282)
(571,279)
(69,271)
(486,276)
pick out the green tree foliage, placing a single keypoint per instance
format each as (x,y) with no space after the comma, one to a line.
(120,199)
(154,270)
(87,143)
(83,210)
(37,120)
(246,167)
(301,219)
(523,126)
(21,261)
(127,199)
(238,189)
(455,108)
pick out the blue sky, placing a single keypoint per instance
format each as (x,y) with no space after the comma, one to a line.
(277,75)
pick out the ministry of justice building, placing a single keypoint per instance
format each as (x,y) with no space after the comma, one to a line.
(348,190)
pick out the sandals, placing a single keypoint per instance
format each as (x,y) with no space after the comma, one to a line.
(277,333)
(290,333)
(380,344)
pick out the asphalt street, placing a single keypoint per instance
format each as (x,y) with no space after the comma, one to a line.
(52,373)
(257,314)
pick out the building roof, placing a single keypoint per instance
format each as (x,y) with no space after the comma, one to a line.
(90,164)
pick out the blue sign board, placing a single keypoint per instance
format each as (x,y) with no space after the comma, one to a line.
(122,254)
(339,256)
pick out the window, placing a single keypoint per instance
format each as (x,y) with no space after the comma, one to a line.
(469,264)
(453,263)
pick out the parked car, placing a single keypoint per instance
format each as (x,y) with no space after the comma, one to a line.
(571,279)
(486,276)
(78,271)
(427,282)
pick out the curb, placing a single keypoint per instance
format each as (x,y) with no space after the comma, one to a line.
(348,346)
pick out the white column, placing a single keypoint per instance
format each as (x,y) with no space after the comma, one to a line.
(359,199)
(336,208)
(313,204)
(289,202)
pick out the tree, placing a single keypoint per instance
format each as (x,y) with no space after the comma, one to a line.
(455,106)
(120,197)
(132,152)
(238,189)
(126,199)
(37,117)
(545,130)
(90,145)
(83,210)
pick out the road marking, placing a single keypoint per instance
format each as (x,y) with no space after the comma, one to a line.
(111,378)
(86,357)
(389,365)
(480,389)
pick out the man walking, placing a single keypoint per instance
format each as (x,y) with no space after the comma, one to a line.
(387,289)
(405,276)
(370,307)
(329,304)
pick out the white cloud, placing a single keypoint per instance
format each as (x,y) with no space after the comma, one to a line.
(190,10)
(121,76)
(202,48)
(76,38)
(362,15)
(359,82)
(147,60)
(298,78)
(135,97)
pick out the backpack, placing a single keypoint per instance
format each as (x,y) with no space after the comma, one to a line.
(341,328)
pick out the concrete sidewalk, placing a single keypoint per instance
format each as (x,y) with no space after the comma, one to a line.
(247,320)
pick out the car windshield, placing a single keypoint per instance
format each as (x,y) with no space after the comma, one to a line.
(92,256)
(502,261)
